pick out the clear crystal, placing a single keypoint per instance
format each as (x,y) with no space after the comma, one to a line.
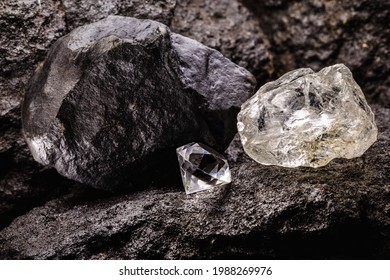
(307,119)
(202,167)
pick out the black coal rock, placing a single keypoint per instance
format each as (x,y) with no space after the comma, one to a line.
(229,27)
(81,12)
(26,32)
(113,96)
(225,25)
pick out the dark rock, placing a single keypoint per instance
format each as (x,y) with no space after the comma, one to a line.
(268,212)
(27,186)
(23,183)
(81,12)
(229,27)
(113,96)
(317,34)
(225,25)
(27,30)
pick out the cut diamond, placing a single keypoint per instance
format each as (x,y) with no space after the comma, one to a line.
(307,119)
(202,168)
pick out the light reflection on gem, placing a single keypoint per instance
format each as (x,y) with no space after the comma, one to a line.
(202,168)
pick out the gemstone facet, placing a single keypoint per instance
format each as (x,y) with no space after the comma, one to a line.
(202,168)
(307,119)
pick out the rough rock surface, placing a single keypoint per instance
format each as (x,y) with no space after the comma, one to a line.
(318,33)
(26,33)
(114,94)
(229,27)
(81,12)
(338,211)
(225,25)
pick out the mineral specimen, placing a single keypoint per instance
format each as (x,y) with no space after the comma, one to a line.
(115,96)
(202,168)
(307,119)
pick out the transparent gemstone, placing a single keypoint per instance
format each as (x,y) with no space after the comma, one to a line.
(202,167)
(307,119)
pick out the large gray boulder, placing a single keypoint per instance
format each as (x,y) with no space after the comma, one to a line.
(115,95)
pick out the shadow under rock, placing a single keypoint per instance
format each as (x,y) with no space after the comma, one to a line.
(348,241)
(23,188)
(338,173)
(159,170)
(21,191)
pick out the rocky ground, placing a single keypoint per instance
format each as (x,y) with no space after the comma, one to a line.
(338,211)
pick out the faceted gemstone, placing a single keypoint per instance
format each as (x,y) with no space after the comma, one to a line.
(202,167)
(307,119)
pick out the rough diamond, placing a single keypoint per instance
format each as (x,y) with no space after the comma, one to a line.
(307,119)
